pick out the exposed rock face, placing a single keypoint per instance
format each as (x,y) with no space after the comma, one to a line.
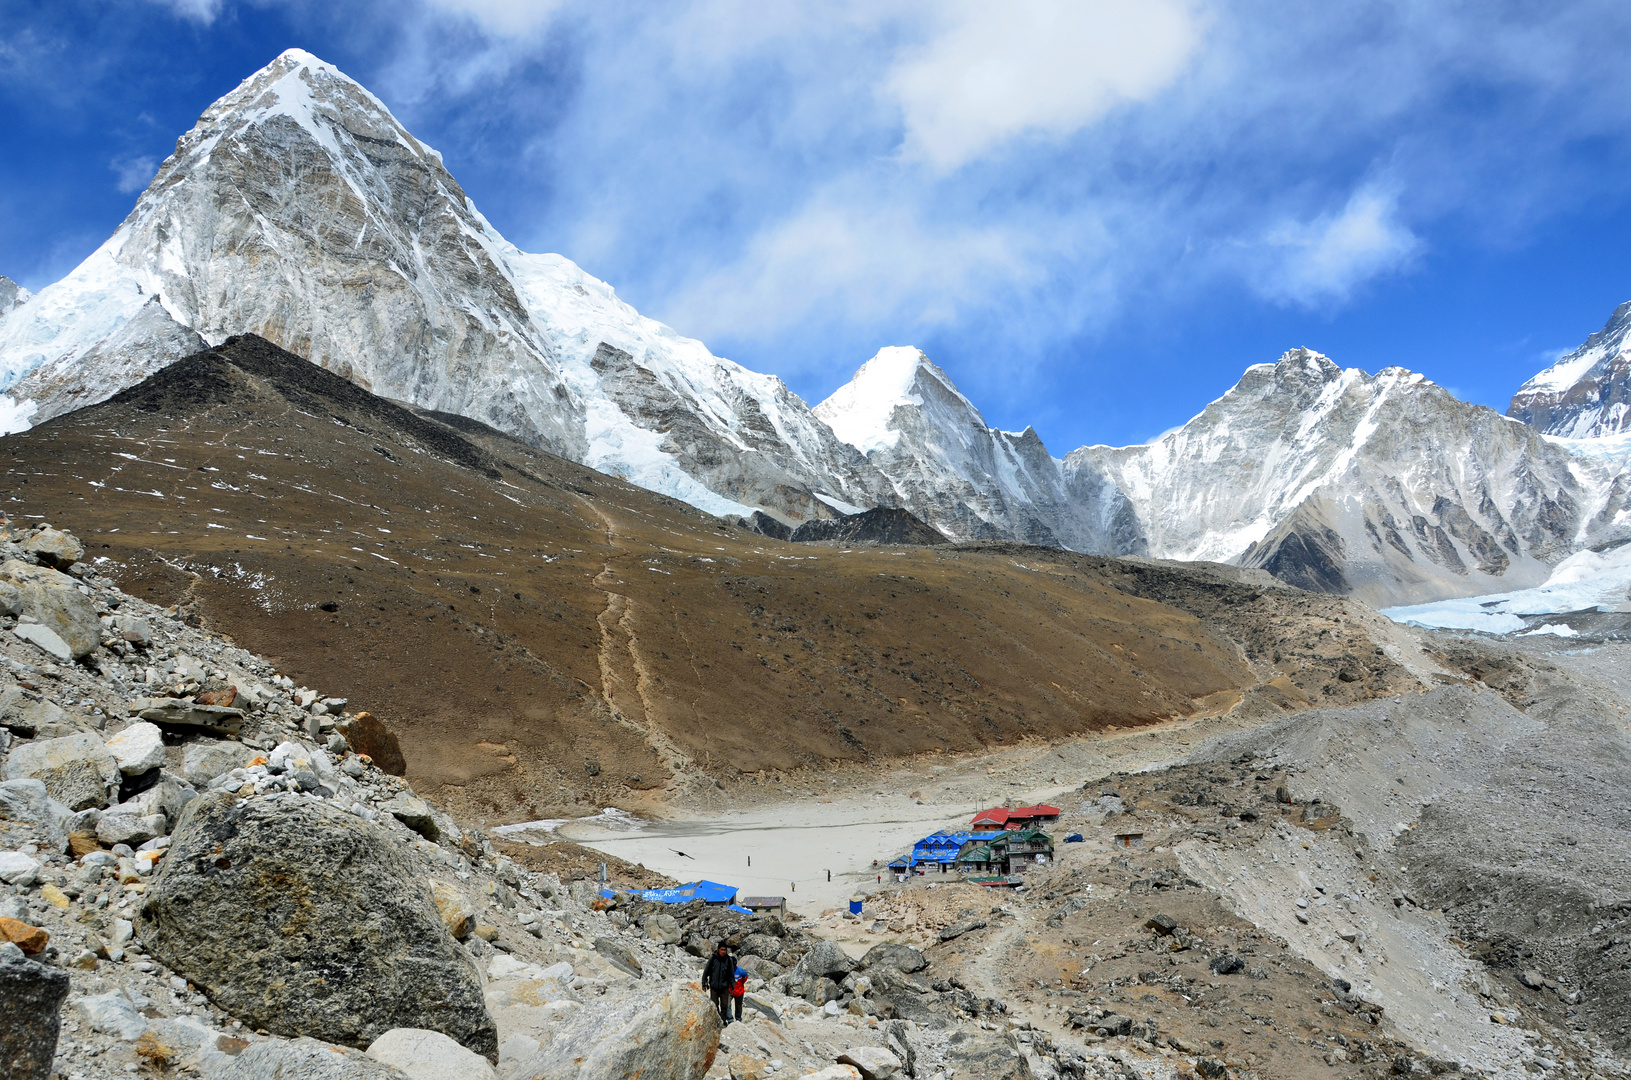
(1385,486)
(309,921)
(668,1031)
(299,209)
(31,996)
(11,294)
(1587,394)
(967,479)
(880,525)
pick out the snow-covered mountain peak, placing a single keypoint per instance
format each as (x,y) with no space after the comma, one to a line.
(300,209)
(860,411)
(1587,393)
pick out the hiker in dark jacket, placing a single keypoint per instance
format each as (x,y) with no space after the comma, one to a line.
(719,977)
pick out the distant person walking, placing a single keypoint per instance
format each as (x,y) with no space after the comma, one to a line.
(719,977)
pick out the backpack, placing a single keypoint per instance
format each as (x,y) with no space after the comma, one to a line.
(741,986)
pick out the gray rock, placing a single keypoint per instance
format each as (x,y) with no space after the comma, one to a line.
(303,919)
(766,945)
(1161,924)
(179,712)
(825,958)
(758,965)
(26,806)
(669,1031)
(901,958)
(1227,964)
(134,630)
(429,1055)
(47,639)
(306,1059)
(54,548)
(874,1063)
(957,930)
(415,813)
(26,714)
(31,996)
(112,1014)
(77,770)
(661,928)
(139,748)
(116,827)
(17,868)
(53,600)
(1534,980)
(618,955)
(207,759)
(168,796)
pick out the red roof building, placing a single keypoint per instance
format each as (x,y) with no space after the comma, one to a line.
(990,820)
(1021,817)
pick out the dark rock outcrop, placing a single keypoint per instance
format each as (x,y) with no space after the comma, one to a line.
(305,920)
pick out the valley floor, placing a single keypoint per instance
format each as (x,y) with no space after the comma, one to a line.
(1430,882)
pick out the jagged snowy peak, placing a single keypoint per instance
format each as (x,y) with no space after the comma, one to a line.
(1587,394)
(969,480)
(298,208)
(11,294)
(1383,485)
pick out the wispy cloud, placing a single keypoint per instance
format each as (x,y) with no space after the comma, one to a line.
(987,73)
(133,173)
(203,12)
(1325,259)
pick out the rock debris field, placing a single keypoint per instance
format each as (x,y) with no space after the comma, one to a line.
(207,870)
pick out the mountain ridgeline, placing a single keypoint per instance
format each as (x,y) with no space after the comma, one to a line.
(300,210)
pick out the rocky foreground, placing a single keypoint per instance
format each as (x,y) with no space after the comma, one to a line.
(206,871)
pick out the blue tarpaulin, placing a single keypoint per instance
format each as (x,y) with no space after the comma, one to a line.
(709,892)
(1074,838)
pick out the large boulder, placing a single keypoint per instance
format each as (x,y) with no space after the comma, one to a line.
(306,1059)
(28,813)
(901,958)
(825,959)
(77,770)
(56,548)
(303,919)
(54,601)
(186,713)
(207,759)
(28,714)
(367,735)
(31,996)
(429,1055)
(669,1031)
(139,748)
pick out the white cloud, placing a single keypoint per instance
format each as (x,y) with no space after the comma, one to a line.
(199,11)
(835,260)
(1325,259)
(504,17)
(133,172)
(990,72)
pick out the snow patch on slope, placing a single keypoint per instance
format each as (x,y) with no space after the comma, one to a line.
(859,412)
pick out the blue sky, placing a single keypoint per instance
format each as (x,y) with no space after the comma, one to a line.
(1093,214)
